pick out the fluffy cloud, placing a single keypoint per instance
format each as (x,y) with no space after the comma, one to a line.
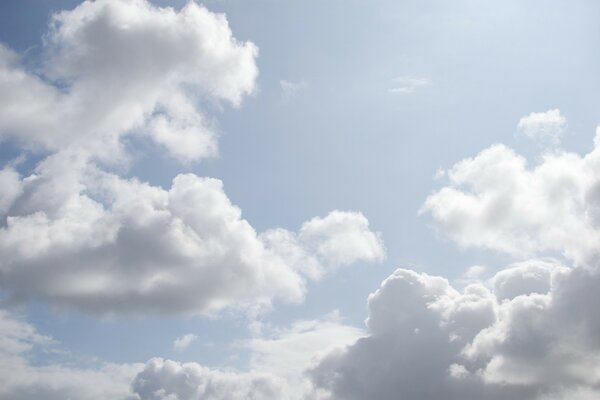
(428,340)
(21,379)
(531,332)
(83,238)
(496,201)
(86,239)
(166,380)
(546,127)
(113,67)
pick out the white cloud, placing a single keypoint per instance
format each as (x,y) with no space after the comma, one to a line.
(81,238)
(113,67)
(278,361)
(546,127)
(183,342)
(408,84)
(496,201)
(531,332)
(170,380)
(342,238)
(289,352)
(428,340)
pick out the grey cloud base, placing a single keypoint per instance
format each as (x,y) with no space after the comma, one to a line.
(428,340)
(81,238)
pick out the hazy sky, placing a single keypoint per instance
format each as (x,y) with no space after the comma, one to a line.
(299,200)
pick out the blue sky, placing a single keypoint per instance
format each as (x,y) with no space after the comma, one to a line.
(454,139)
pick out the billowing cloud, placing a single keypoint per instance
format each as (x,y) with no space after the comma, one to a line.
(546,127)
(429,341)
(531,332)
(113,67)
(166,380)
(496,200)
(82,238)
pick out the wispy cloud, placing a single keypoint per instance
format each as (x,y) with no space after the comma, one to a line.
(289,89)
(408,84)
(183,342)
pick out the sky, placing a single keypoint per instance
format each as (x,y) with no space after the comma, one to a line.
(265,200)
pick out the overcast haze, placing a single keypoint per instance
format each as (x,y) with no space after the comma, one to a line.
(299,200)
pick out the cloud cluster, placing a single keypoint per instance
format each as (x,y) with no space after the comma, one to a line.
(79,236)
(112,68)
(86,239)
(533,335)
(531,332)
(497,201)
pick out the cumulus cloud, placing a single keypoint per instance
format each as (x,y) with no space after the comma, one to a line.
(532,335)
(113,67)
(86,239)
(21,378)
(496,200)
(530,332)
(546,127)
(80,237)
(166,380)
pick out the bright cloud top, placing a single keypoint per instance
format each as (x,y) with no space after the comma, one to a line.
(113,67)
(496,201)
